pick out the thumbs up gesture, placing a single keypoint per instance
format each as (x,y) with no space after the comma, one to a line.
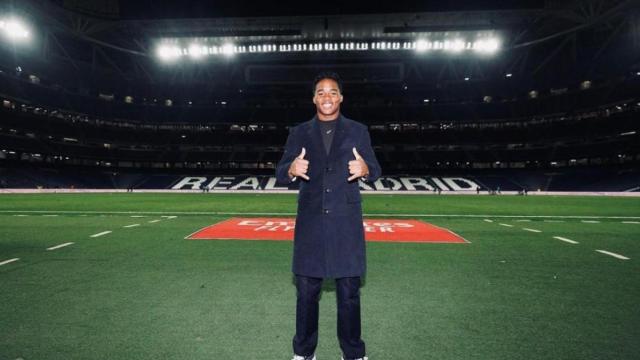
(299,166)
(357,168)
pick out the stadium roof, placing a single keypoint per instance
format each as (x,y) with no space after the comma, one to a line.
(173,9)
(559,43)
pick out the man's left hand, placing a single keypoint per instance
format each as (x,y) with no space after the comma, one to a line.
(357,168)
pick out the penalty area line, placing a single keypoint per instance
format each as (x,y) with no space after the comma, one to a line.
(532,230)
(132,225)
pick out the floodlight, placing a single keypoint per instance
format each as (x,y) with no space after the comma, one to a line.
(457,45)
(196,51)
(166,52)
(14,29)
(227,49)
(487,46)
(492,45)
(422,45)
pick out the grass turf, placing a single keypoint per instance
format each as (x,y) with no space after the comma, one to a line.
(146,293)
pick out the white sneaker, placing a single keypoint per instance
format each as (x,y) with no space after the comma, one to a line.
(298,357)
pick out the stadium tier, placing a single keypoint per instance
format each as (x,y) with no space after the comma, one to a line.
(481,102)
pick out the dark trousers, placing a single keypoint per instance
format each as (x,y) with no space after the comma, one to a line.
(307,308)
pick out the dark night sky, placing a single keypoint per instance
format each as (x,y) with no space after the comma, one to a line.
(160,9)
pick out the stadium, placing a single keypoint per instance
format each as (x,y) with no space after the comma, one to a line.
(141,215)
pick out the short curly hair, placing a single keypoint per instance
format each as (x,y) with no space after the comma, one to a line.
(327,75)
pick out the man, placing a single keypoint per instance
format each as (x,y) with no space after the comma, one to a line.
(328,155)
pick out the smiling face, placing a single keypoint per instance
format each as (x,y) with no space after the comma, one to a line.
(327,98)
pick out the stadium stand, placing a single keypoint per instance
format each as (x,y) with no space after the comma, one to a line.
(74,119)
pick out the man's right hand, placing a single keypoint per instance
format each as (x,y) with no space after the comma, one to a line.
(299,166)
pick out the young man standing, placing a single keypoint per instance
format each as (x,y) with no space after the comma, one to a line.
(328,155)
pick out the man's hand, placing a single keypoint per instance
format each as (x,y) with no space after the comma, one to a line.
(357,168)
(299,166)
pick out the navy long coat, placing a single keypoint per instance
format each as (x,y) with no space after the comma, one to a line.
(329,235)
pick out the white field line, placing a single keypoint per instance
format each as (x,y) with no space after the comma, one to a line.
(50,215)
(100,234)
(169,217)
(590,221)
(523,220)
(554,221)
(617,256)
(631,222)
(130,226)
(566,240)
(9,261)
(151,213)
(138,216)
(488,220)
(532,230)
(154,221)
(59,246)
(507,225)
(20,215)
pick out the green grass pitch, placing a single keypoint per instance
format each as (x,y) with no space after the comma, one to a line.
(144,292)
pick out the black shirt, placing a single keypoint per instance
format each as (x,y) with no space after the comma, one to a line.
(327,129)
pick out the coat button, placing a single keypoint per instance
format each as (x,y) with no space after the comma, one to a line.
(326,211)
(327,190)
(328,169)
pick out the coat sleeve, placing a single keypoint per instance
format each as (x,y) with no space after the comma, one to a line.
(290,152)
(366,151)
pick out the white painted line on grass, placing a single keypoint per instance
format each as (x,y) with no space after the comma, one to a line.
(523,220)
(21,215)
(488,220)
(631,222)
(138,216)
(9,261)
(507,225)
(153,213)
(154,221)
(565,240)
(100,234)
(50,215)
(132,225)
(169,217)
(532,230)
(553,221)
(590,221)
(60,246)
(617,256)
